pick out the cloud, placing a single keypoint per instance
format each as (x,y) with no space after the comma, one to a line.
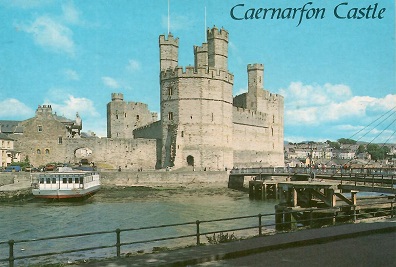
(70,13)
(316,104)
(71,105)
(133,65)
(12,108)
(334,112)
(71,75)
(110,82)
(51,34)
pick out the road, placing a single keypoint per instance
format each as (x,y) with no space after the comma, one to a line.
(372,250)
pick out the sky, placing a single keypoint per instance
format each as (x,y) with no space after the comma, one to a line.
(337,75)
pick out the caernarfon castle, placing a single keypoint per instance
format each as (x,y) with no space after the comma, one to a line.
(202,126)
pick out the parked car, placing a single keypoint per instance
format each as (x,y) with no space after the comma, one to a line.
(13,169)
(50,167)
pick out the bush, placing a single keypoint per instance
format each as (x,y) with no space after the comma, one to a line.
(221,238)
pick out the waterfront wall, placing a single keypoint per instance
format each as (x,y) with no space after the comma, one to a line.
(145,178)
(164,178)
(14,177)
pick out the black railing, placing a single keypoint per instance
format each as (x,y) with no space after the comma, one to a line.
(197,234)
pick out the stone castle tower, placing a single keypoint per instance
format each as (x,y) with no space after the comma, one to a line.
(196,104)
(124,117)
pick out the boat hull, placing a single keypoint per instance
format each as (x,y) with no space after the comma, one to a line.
(65,194)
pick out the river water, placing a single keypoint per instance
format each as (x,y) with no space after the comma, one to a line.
(123,208)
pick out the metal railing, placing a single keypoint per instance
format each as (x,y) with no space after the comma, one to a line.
(197,234)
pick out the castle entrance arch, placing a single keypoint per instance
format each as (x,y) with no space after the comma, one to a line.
(82,153)
(190,160)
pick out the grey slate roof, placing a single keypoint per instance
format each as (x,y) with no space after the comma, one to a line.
(9,127)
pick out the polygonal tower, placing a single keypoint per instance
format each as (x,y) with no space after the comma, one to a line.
(218,48)
(196,107)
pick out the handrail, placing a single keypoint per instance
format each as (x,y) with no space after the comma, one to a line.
(12,257)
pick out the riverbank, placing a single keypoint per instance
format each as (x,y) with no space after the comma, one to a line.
(16,186)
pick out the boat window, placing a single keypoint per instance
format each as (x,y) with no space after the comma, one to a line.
(48,180)
(41,180)
(53,180)
(65,180)
(81,180)
(70,180)
(76,180)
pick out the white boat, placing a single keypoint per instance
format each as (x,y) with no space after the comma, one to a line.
(65,184)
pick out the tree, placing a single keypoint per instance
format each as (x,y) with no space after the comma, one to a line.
(377,152)
(335,145)
(346,141)
(361,149)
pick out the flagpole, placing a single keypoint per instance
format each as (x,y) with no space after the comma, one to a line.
(168,16)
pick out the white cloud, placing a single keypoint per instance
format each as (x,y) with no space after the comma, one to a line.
(71,75)
(110,82)
(51,34)
(70,13)
(12,107)
(133,65)
(316,104)
(71,105)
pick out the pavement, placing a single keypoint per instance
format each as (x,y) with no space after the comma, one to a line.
(250,247)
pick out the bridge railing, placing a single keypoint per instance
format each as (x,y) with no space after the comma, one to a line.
(308,170)
(257,224)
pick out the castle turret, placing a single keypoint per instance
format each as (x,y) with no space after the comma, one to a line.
(117,97)
(201,56)
(255,84)
(169,49)
(217,48)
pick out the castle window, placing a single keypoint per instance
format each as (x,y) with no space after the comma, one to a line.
(182,134)
(272,131)
(137,117)
(170,116)
(170,91)
(38,151)
(125,115)
(39,128)
(212,116)
(117,117)
(273,118)
(60,140)
(47,151)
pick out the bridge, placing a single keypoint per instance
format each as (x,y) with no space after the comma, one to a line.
(380,180)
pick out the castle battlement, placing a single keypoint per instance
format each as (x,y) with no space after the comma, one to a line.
(272,97)
(168,41)
(201,49)
(250,117)
(192,72)
(255,66)
(217,33)
(137,104)
(117,97)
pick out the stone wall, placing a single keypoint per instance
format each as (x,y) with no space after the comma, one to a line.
(164,178)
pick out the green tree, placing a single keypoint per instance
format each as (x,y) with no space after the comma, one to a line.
(335,145)
(361,149)
(377,152)
(346,141)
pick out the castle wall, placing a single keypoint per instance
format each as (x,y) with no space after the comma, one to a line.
(110,153)
(124,117)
